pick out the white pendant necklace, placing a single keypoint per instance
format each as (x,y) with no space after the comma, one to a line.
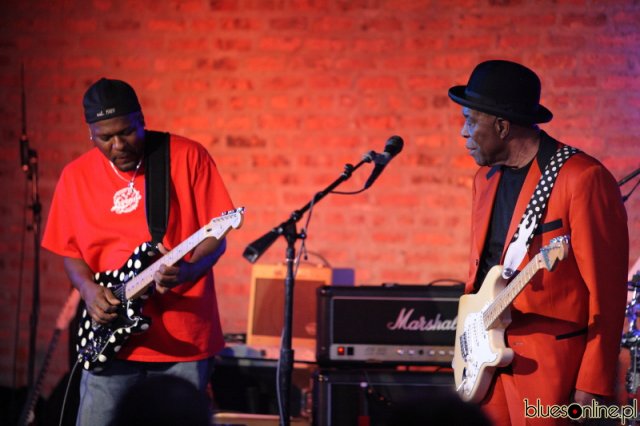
(126,200)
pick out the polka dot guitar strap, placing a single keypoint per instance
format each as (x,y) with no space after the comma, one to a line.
(524,233)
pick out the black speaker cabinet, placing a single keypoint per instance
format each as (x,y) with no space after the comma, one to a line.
(392,324)
(377,397)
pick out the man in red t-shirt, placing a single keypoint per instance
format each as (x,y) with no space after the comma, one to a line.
(97,218)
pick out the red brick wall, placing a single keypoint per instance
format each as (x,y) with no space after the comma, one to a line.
(285,92)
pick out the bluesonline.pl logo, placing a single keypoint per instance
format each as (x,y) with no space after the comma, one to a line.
(575,411)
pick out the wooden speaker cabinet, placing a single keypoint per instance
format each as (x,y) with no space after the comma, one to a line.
(266,307)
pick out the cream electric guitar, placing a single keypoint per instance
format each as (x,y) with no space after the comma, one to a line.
(483,318)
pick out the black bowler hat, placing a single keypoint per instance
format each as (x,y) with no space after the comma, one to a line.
(505,89)
(107,98)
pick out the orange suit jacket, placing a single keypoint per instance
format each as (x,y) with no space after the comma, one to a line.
(566,324)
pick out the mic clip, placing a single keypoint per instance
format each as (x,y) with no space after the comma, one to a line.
(370,156)
(377,159)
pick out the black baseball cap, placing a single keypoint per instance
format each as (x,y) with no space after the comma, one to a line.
(107,98)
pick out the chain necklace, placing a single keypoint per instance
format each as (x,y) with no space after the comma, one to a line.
(126,200)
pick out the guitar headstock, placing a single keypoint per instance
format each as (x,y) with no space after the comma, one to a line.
(227,220)
(556,250)
(68,310)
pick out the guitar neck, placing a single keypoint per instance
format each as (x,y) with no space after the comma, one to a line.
(139,284)
(34,391)
(504,299)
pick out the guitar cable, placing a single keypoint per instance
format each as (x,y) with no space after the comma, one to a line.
(66,392)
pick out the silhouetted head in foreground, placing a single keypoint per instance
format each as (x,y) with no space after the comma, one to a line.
(163,401)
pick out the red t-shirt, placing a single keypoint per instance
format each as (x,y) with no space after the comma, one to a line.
(83,224)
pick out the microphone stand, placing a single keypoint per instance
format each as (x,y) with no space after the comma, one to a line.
(291,235)
(30,167)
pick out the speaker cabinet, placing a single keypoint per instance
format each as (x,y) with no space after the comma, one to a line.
(240,419)
(392,324)
(266,307)
(374,397)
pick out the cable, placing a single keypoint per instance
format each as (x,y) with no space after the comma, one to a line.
(349,193)
(324,260)
(303,246)
(66,392)
(278,389)
(626,197)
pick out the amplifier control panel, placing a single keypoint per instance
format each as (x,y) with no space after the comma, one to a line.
(387,353)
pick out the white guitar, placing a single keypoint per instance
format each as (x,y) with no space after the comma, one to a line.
(483,318)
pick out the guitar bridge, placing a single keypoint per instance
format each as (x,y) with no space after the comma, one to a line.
(464,350)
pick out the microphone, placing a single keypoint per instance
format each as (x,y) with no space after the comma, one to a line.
(254,250)
(391,149)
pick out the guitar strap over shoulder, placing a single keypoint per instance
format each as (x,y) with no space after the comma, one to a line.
(157,183)
(533,213)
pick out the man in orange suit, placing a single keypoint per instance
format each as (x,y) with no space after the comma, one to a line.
(566,324)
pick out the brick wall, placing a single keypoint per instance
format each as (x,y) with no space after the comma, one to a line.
(284,93)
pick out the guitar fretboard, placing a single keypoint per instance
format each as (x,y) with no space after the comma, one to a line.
(138,284)
(508,294)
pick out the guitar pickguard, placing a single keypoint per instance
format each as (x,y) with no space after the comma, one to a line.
(99,343)
(476,351)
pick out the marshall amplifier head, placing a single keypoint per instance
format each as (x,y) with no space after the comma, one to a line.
(400,324)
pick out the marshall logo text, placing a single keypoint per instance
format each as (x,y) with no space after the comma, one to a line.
(405,322)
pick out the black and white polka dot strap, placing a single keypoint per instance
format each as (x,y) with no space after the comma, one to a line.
(524,233)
